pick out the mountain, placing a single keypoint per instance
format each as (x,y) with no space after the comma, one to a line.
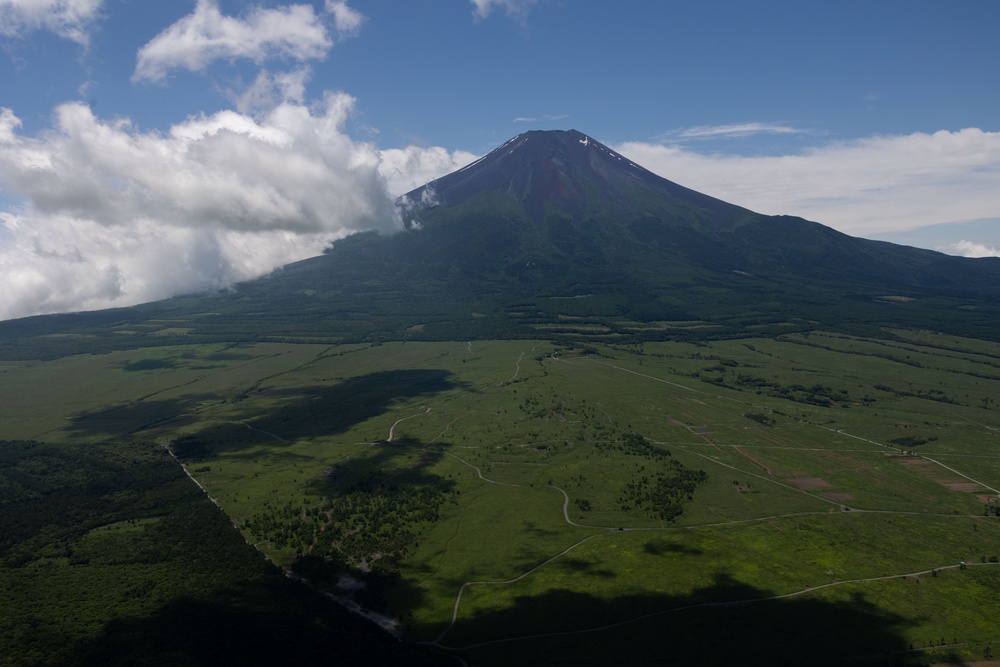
(566,174)
(555,234)
(574,189)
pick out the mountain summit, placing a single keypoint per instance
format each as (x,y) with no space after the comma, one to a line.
(569,174)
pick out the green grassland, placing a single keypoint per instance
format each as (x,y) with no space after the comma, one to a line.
(801,498)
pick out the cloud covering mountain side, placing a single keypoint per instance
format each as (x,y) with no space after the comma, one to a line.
(108,215)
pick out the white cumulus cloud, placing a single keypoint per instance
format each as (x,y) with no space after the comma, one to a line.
(70,19)
(347,21)
(110,215)
(269,89)
(872,185)
(970,249)
(294,32)
(408,168)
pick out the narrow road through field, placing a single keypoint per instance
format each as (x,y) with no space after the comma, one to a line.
(961,474)
(461,591)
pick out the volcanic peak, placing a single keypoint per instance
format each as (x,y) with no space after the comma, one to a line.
(568,174)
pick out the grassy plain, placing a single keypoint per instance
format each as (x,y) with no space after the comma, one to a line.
(489,498)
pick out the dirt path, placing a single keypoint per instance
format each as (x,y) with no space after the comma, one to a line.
(768,479)
(480,472)
(651,377)
(392,428)
(517,370)
(925,458)
(276,437)
(195,480)
(960,474)
(605,530)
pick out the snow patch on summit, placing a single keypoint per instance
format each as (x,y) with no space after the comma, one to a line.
(585,141)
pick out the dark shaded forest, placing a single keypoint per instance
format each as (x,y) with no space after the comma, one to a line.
(110,555)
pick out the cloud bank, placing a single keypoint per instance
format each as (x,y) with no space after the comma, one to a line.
(866,186)
(114,216)
(70,19)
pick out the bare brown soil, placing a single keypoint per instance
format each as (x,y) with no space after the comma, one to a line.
(934,472)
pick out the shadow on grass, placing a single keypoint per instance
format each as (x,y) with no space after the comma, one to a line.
(299,412)
(660,546)
(148,365)
(382,468)
(306,412)
(720,624)
(321,410)
(121,420)
(584,567)
(277,622)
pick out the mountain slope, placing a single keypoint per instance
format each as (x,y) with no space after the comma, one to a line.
(559,177)
(568,174)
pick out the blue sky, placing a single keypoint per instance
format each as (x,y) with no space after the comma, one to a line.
(152,148)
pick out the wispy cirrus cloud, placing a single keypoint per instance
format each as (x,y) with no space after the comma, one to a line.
(291,32)
(879,184)
(70,19)
(535,119)
(515,9)
(731,131)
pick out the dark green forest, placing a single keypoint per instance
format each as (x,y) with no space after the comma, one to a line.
(110,555)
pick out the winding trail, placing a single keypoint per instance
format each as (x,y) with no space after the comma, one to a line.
(517,369)
(480,472)
(276,437)
(392,428)
(461,591)
(605,530)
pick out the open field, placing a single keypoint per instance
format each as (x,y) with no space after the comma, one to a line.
(503,497)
